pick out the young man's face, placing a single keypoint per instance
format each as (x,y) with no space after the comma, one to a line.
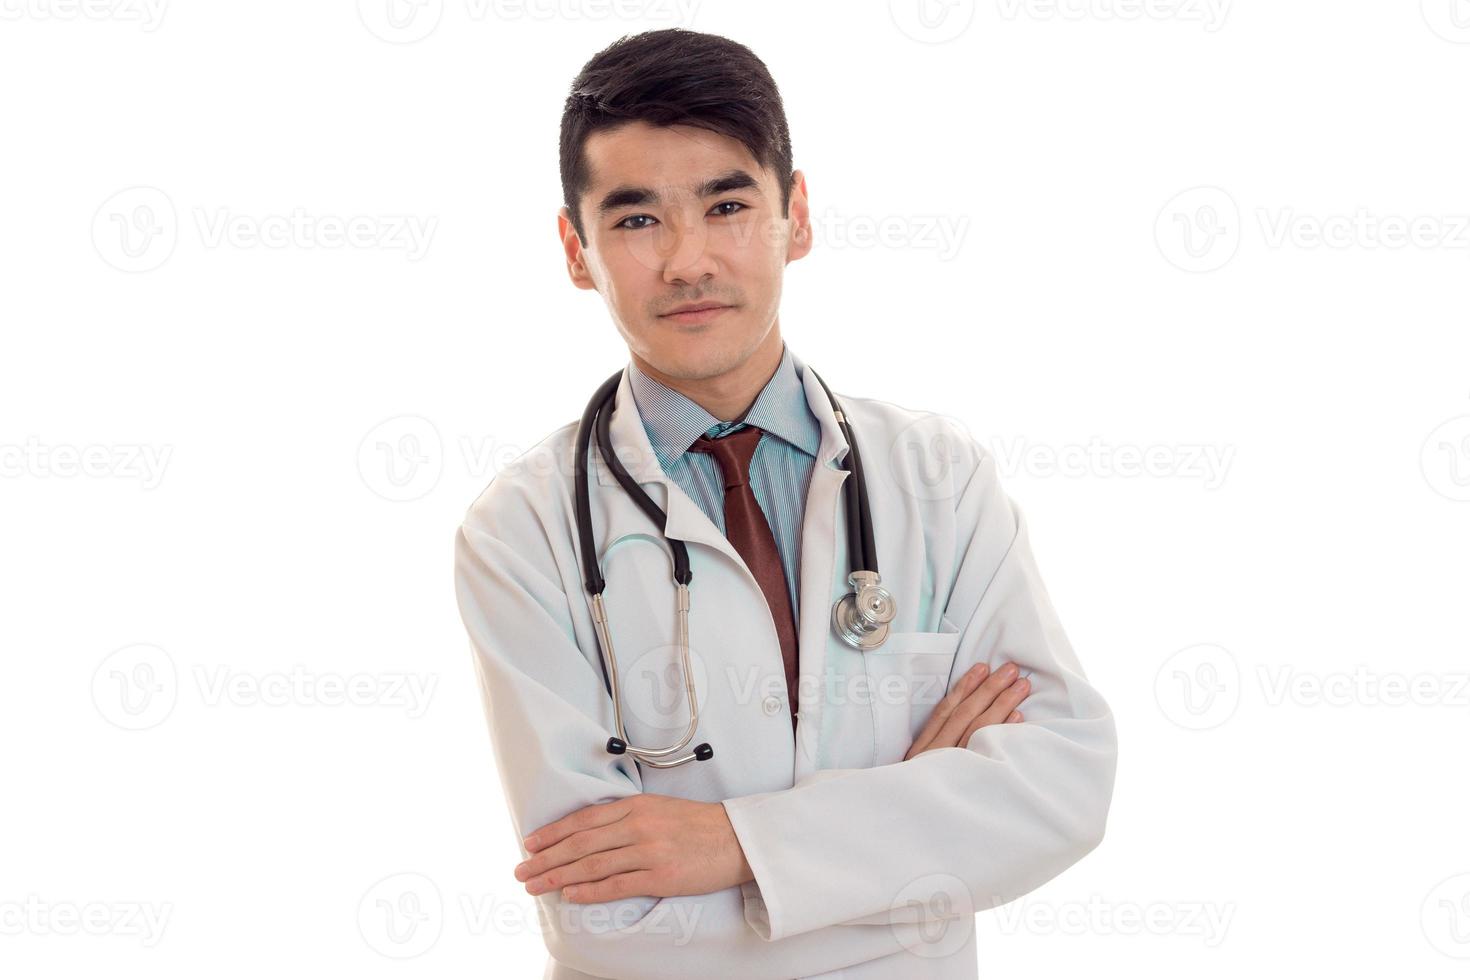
(668,224)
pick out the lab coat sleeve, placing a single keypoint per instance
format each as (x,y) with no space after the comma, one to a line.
(954,829)
(549,714)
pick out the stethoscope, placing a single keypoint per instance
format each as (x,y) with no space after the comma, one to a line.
(860,619)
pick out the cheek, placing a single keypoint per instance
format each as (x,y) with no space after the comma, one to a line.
(617,276)
(753,252)
(754,237)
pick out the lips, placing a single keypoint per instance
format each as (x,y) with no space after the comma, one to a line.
(696,308)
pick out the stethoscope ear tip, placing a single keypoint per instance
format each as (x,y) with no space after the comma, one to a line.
(702,751)
(617,746)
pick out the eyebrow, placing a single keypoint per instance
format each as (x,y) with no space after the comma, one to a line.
(626,195)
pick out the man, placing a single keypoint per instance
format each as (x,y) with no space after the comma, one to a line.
(842,829)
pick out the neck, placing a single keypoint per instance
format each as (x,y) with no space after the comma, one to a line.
(726,396)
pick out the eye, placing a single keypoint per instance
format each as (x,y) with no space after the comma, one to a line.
(648,218)
(633,217)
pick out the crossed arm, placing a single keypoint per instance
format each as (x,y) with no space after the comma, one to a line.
(663,845)
(1035,795)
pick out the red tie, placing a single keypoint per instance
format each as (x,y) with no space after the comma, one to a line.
(748,531)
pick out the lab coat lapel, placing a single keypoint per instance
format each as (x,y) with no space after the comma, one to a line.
(686,522)
(823,543)
(823,546)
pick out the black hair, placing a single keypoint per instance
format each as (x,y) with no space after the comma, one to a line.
(674,77)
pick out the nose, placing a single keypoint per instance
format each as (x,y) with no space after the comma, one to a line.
(685,250)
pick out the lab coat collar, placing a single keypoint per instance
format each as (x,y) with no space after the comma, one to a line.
(686,522)
(674,421)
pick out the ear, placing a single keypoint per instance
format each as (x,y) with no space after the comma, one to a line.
(800,217)
(577,269)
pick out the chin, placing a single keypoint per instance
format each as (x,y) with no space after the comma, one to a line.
(694,357)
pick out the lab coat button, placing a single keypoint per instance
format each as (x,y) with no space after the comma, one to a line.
(771,705)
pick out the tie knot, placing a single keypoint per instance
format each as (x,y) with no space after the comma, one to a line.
(733,452)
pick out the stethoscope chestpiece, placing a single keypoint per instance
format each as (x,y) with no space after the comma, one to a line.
(860,619)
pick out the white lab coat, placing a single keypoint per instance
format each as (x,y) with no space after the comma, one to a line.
(866,866)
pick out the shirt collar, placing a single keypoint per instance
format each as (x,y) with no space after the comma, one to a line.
(673,420)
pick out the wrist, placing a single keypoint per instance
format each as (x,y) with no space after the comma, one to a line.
(743,872)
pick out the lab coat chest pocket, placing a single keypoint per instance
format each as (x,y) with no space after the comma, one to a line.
(908,675)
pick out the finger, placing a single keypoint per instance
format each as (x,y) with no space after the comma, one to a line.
(575,847)
(1007,701)
(973,706)
(1015,716)
(961,690)
(967,683)
(593,867)
(629,884)
(596,815)
(1000,710)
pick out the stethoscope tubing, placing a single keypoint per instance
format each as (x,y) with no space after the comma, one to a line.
(596,422)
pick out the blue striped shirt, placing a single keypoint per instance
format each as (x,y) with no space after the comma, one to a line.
(779,471)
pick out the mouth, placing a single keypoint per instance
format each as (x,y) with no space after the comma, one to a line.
(697,313)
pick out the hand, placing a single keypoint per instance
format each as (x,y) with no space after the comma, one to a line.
(641,845)
(977,700)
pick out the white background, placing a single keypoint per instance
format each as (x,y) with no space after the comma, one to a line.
(1188,229)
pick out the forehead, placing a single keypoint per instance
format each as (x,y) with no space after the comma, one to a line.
(668,159)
